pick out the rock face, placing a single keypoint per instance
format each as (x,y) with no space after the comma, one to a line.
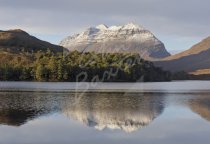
(130,38)
(194,59)
(18,40)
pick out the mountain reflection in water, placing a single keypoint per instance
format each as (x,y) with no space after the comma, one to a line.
(128,112)
(125,111)
(201,106)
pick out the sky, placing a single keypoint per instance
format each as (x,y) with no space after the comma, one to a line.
(179,24)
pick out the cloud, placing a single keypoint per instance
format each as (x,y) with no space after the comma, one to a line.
(189,18)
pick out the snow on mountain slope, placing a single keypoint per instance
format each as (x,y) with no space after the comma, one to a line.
(130,38)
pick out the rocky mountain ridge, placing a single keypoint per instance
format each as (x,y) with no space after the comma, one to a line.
(129,38)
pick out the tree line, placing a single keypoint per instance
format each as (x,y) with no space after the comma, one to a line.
(83,67)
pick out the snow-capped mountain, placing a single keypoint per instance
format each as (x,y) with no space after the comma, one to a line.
(130,38)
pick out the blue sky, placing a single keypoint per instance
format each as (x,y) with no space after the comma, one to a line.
(178,24)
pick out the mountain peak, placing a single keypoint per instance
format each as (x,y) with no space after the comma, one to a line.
(14,31)
(102,27)
(129,26)
(17,31)
(132,26)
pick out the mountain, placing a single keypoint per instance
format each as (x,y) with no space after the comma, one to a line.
(20,41)
(195,60)
(130,38)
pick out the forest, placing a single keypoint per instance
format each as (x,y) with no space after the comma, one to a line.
(80,67)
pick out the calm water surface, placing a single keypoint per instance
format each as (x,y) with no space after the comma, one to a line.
(56,113)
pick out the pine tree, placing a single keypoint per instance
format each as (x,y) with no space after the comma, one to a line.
(52,66)
(25,74)
(60,70)
(41,73)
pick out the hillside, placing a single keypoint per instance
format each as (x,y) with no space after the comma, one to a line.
(196,58)
(17,40)
(202,46)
